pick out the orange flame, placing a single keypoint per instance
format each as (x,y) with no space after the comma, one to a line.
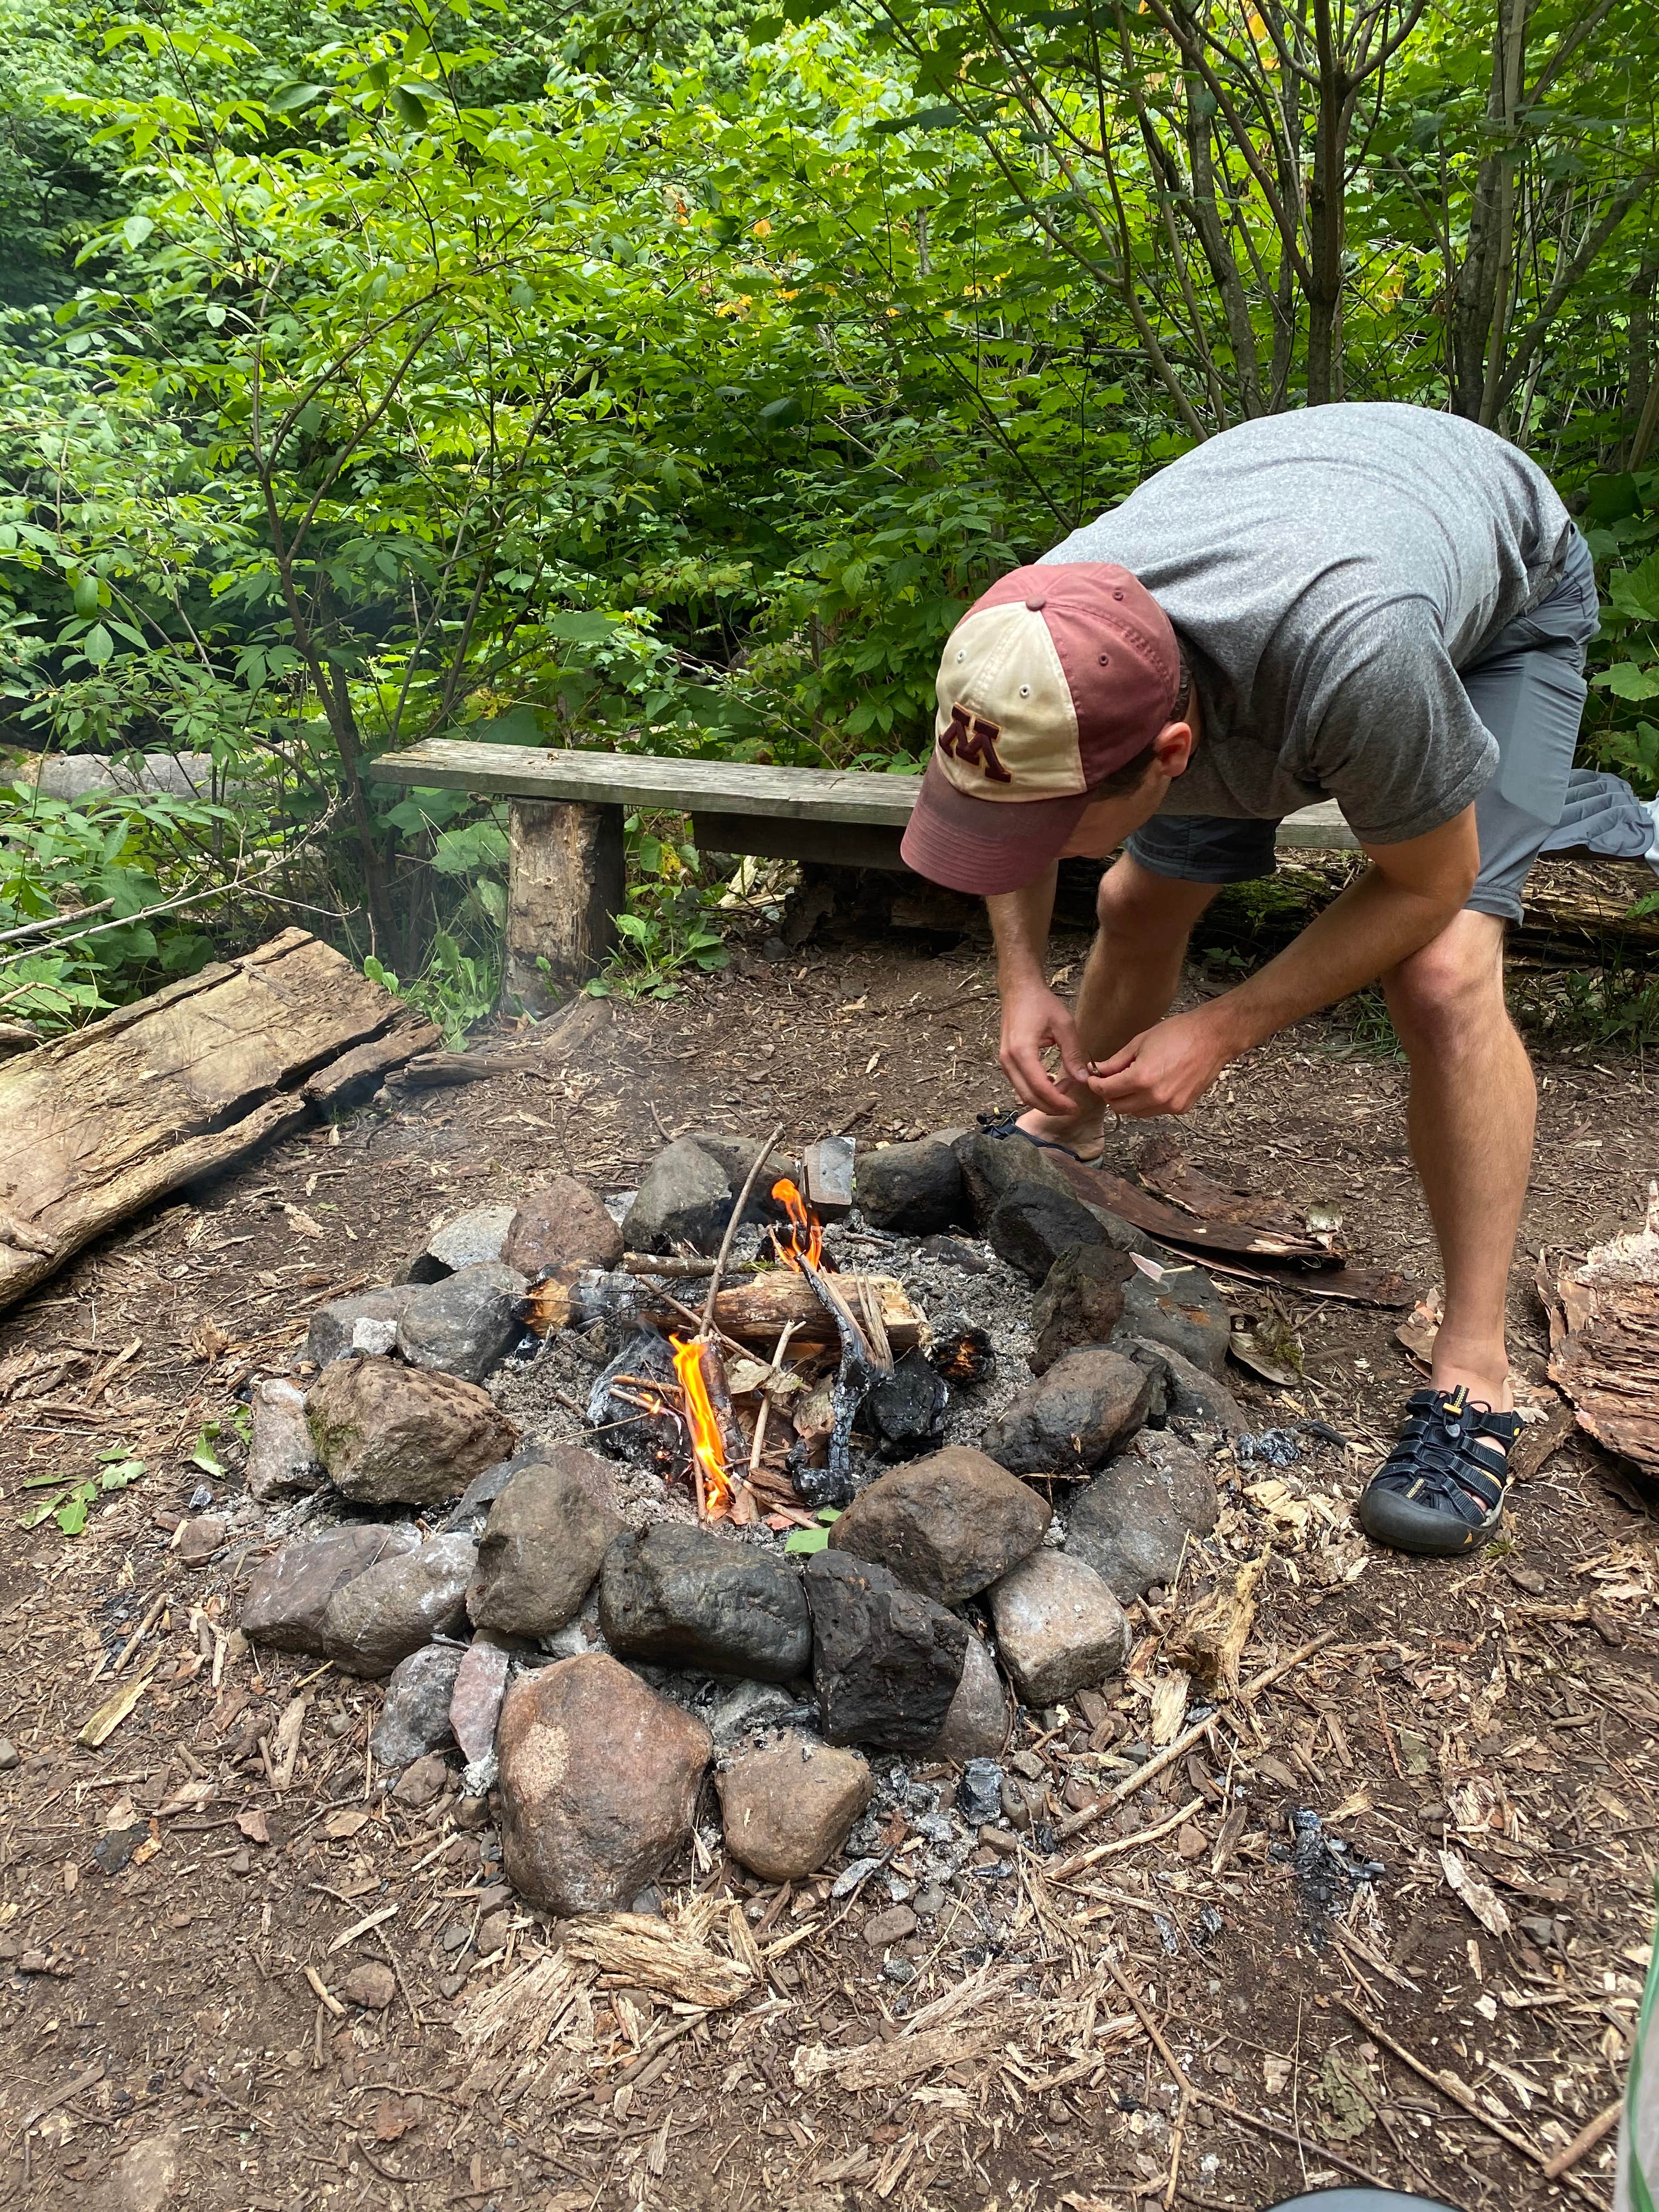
(805,1238)
(707,1448)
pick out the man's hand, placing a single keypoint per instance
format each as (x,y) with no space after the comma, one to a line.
(1033,1019)
(1164,1070)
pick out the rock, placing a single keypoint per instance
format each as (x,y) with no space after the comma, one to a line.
(579,1635)
(543,1543)
(980,1714)
(371,1985)
(391,1435)
(473,1239)
(979,1793)
(381,1616)
(598,1784)
(415,1718)
(198,1539)
(684,1197)
(282,1460)
(750,1706)
(787,1811)
(1089,1404)
(424,1783)
(462,1325)
(1131,1524)
(560,1228)
(680,1596)
(1059,1627)
(737,1156)
(1081,1301)
(916,1189)
(948,1525)
(1032,1226)
(1185,1393)
(145,2177)
(10,1756)
(289,1595)
(991,1167)
(493,1932)
(472,1814)
(890,1927)
(475,1706)
(886,1661)
(330,1334)
(1182,1310)
(906,1409)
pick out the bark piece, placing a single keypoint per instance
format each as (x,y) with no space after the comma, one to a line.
(1604,1341)
(101,1123)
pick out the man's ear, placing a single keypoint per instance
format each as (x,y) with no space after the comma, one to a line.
(1172,748)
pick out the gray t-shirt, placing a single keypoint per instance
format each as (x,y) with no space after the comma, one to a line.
(1329,571)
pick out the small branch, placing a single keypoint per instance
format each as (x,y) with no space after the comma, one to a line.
(706,1327)
(55,921)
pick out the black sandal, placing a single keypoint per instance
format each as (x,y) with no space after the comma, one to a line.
(1441,1490)
(1006,1124)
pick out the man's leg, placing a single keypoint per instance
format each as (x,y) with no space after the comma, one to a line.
(1131,978)
(1470,1121)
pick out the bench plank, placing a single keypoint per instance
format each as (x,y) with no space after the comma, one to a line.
(720,787)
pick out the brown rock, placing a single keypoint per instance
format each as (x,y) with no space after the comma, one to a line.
(199,1539)
(371,1985)
(475,1702)
(787,1810)
(1081,1301)
(145,2177)
(890,1927)
(560,1230)
(389,1434)
(598,1784)
(493,1931)
(1059,1627)
(543,1543)
(980,1714)
(423,1784)
(288,1596)
(948,1525)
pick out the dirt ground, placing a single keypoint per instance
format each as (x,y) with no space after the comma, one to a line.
(1489,1723)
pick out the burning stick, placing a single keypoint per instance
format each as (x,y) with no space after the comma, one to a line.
(863,1362)
(717,1450)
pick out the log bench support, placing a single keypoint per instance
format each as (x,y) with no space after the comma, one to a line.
(566,884)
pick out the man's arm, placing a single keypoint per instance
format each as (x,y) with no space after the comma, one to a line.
(1032,1016)
(1405,897)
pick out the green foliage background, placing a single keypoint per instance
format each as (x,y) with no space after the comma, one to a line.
(374,371)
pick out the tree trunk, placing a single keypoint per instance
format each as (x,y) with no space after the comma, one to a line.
(565,886)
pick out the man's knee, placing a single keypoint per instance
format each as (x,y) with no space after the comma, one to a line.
(1134,903)
(1452,991)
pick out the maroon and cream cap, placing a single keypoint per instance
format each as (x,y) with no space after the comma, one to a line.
(1052,681)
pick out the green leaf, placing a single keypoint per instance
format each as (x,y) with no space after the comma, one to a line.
(120,1476)
(86,595)
(580,627)
(136,229)
(98,645)
(72,1515)
(806,1540)
(292,97)
(410,110)
(925,118)
(1626,681)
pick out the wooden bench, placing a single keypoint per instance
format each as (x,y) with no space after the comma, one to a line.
(565,866)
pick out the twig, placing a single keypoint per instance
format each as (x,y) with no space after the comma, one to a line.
(1184,1742)
(139,1633)
(706,1326)
(55,921)
(1585,2140)
(1079,1860)
(1187,2092)
(1449,2085)
(759,1445)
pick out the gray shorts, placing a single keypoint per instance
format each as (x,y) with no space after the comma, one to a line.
(1527,687)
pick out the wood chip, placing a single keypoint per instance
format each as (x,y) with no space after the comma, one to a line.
(650,1953)
(99,1726)
(1476,1894)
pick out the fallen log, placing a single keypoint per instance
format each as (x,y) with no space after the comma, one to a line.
(100,1124)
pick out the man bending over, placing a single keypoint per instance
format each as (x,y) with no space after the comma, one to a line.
(1373,603)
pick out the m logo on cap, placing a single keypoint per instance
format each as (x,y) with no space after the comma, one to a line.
(973,741)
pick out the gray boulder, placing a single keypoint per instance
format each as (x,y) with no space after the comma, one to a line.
(1081,1301)
(982,1713)
(684,1197)
(886,1661)
(1190,1396)
(389,1434)
(330,1334)
(282,1462)
(415,1718)
(680,1596)
(543,1543)
(991,1167)
(737,1156)
(462,1325)
(1132,1523)
(289,1595)
(947,1525)
(1059,1627)
(390,1610)
(1032,1226)
(917,1190)
(1182,1310)
(1072,1418)
(473,1239)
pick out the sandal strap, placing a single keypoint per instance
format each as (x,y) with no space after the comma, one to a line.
(1006,1124)
(1441,1460)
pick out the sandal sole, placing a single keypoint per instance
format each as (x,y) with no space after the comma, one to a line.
(1402,1525)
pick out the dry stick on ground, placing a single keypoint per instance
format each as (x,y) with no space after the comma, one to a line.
(1584,2141)
(1185,1742)
(1448,2085)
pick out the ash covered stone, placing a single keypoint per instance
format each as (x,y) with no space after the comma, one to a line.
(330,1334)
(473,1239)
(686,1597)
(393,1609)
(463,1325)
(282,1460)
(415,1718)
(1132,1523)
(1075,1416)
(886,1661)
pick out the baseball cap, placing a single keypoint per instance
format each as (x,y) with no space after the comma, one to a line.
(1059,675)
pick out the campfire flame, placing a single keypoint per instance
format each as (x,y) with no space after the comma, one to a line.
(707,1448)
(804,1239)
